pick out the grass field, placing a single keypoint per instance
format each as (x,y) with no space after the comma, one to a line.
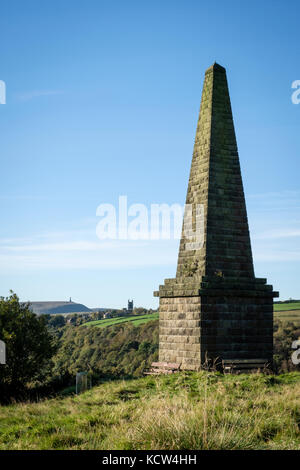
(285,312)
(288,306)
(290,316)
(288,312)
(134,319)
(183,411)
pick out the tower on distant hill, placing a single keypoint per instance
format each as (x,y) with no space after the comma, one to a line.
(215,309)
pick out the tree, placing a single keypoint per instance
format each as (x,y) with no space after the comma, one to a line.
(29,347)
(57,321)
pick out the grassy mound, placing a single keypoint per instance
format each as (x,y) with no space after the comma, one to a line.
(182,411)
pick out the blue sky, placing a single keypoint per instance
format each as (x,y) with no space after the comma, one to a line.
(103,100)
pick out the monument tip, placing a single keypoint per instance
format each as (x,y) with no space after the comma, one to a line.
(216,66)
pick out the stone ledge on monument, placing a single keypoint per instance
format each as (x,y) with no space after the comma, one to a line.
(215,285)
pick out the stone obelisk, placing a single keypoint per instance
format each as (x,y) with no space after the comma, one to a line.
(215,310)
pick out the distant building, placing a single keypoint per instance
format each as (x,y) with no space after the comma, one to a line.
(130,306)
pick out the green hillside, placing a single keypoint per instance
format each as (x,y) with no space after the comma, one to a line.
(284,312)
(134,319)
(286,306)
(123,350)
(182,411)
(288,312)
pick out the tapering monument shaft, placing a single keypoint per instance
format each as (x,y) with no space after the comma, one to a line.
(215,309)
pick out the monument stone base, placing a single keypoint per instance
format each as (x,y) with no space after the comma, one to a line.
(220,322)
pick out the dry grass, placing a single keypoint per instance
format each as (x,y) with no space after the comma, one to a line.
(185,411)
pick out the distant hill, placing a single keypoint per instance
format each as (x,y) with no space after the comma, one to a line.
(58,307)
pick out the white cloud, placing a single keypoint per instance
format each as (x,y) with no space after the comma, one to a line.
(274,222)
(274,195)
(82,245)
(277,234)
(29,95)
(79,248)
(274,255)
(60,251)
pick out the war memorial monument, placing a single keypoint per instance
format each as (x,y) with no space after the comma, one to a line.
(215,311)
